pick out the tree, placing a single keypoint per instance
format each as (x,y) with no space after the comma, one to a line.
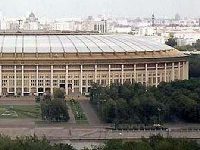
(171,42)
(54,109)
(58,93)
(135,103)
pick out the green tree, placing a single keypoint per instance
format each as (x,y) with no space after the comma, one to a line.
(58,93)
(171,42)
(54,109)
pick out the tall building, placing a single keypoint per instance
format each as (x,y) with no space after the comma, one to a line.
(99,26)
(35,63)
(31,23)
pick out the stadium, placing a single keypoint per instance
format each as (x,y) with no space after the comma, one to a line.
(35,63)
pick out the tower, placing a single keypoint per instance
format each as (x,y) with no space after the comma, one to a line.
(153,20)
(20,23)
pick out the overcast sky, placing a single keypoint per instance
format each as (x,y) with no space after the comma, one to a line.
(83,8)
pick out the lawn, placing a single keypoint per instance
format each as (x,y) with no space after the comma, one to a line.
(78,112)
(20,111)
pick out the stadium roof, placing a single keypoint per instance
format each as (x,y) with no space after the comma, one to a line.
(78,44)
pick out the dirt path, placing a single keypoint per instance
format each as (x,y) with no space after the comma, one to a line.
(90,113)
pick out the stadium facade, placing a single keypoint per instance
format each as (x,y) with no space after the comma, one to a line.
(32,64)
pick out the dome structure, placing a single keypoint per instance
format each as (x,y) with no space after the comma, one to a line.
(78,44)
(35,63)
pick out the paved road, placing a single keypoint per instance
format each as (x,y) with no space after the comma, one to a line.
(63,134)
(17,123)
(90,113)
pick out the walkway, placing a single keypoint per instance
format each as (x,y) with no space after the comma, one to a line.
(90,113)
(64,134)
(71,115)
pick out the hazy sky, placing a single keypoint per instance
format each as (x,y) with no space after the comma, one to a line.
(82,8)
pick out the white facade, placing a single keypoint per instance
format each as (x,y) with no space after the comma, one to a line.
(121,29)
(187,41)
(147,31)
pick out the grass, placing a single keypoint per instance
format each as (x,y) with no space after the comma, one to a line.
(79,115)
(20,112)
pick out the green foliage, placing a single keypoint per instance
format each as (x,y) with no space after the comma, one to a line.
(171,42)
(194,65)
(58,93)
(77,110)
(37,99)
(154,143)
(54,109)
(134,103)
(30,143)
(20,111)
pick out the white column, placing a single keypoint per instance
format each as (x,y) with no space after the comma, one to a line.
(146,74)
(51,79)
(29,85)
(0,80)
(122,82)
(109,75)
(15,80)
(37,77)
(86,83)
(165,72)
(179,70)
(73,85)
(81,80)
(173,72)
(22,80)
(135,72)
(66,79)
(156,75)
(95,73)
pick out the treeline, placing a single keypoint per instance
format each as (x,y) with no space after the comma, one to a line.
(30,143)
(153,143)
(134,103)
(194,66)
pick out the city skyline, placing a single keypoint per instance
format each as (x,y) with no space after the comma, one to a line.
(119,8)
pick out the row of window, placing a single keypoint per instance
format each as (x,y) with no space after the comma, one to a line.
(140,78)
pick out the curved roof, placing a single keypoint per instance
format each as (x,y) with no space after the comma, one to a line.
(78,44)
